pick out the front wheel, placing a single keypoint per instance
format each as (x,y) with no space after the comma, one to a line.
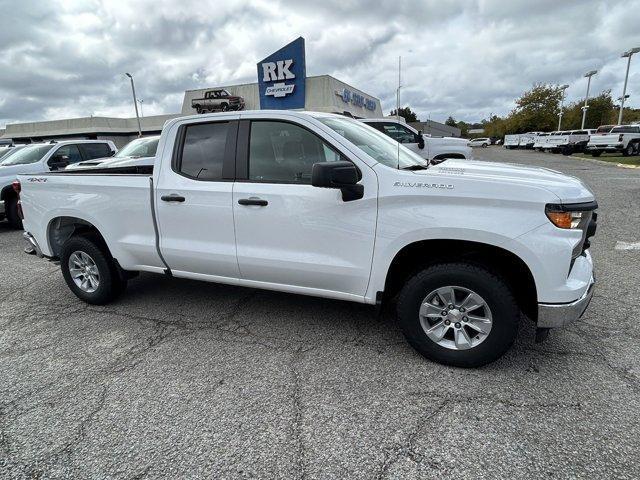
(595,153)
(458,314)
(89,270)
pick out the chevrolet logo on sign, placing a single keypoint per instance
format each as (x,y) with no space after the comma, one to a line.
(279,90)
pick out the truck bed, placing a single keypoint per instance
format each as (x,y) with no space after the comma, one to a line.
(118,204)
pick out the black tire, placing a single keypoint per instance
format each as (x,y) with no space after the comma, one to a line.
(199,109)
(111,283)
(490,287)
(224,107)
(11,208)
(628,151)
(595,153)
(484,145)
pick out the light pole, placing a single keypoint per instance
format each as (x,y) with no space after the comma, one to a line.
(627,55)
(141,101)
(135,103)
(586,98)
(562,88)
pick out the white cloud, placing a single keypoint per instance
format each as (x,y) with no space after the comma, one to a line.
(462,58)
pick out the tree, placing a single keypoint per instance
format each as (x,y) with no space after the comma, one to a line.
(407,114)
(601,111)
(536,110)
(451,122)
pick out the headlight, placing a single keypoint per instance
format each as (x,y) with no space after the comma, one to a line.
(565,219)
(575,216)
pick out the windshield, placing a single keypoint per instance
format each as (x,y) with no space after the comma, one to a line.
(26,155)
(604,129)
(376,144)
(142,147)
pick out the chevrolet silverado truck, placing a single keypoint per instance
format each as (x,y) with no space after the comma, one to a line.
(218,100)
(320,204)
(568,142)
(623,138)
(434,149)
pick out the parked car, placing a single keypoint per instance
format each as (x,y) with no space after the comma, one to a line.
(479,142)
(41,157)
(297,201)
(217,100)
(434,149)
(511,141)
(623,138)
(541,141)
(139,152)
(569,142)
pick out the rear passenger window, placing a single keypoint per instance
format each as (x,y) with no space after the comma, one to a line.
(203,151)
(95,150)
(285,153)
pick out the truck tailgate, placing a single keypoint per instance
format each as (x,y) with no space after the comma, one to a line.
(604,139)
(119,206)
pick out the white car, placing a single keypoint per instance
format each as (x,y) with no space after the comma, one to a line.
(321,204)
(624,139)
(139,152)
(435,149)
(43,157)
(479,142)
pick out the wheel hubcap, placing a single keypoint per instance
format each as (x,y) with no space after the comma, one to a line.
(84,272)
(455,317)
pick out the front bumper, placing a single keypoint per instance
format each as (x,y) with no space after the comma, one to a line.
(32,245)
(553,315)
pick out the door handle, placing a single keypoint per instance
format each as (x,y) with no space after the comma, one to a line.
(253,201)
(172,198)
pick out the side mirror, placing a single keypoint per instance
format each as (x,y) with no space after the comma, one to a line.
(342,175)
(59,161)
(420,140)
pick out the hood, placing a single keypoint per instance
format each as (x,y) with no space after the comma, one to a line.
(568,189)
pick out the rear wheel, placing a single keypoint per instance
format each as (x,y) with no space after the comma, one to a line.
(89,270)
(11,210)
(630,150)
(596,153)
(458,314)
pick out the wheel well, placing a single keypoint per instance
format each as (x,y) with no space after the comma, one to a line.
(63,228)
(449,155)
(419,255)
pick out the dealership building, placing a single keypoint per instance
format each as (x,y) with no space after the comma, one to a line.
(282,85)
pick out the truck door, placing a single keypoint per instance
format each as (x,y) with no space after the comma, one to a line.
(289,232)
(193,202)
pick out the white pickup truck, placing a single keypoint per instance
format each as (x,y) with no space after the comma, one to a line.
(434,149)
(324,205)
(568,142)
(623,138)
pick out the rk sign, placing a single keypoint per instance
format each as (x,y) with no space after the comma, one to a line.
(281,78)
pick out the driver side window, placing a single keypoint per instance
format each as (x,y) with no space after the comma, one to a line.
(65,155)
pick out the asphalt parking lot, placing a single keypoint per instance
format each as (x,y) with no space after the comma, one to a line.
(181,379)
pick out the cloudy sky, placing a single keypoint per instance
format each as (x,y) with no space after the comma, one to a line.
(63,59)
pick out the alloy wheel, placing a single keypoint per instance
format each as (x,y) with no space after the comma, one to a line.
(455,318)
